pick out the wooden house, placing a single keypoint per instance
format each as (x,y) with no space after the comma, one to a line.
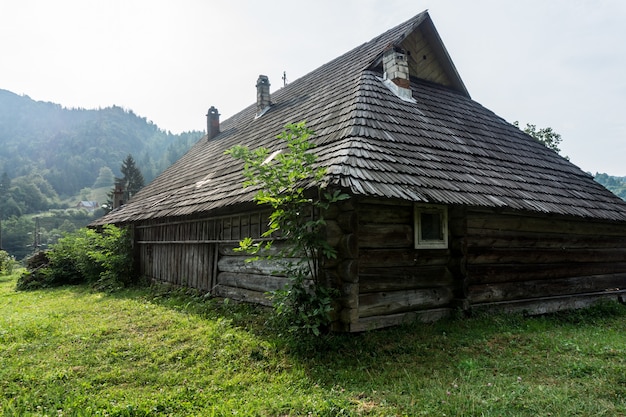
(451,208)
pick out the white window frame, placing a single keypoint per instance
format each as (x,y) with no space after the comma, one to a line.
(420,243)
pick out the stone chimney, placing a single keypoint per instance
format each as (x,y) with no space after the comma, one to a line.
(212,123)
(396,71)
(118,194)
(263,102)
(396,67)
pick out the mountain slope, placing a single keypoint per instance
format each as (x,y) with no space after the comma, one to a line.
(68,147)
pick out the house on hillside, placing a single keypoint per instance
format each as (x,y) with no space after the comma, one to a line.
(88,205)
(451,207)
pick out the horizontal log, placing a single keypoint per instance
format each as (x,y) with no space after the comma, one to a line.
(344,272)
(489,238)
(365,324)
(385,236)
(348,221)
(494,273)
(349,295)
(333,232)
(348,247)
(239,264)
(255,282)
(545,305)
(544,288)
(378,214)
(396,279)
(546,224)
(348,271)
(375,304)
(240,294)
(349,315)
(331,212)
(402,257)
(534,256)
(365,201)
(231,249)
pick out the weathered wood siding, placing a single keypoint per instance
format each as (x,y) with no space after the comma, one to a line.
(198,253)
(507,261)
(512,259)
(397,282)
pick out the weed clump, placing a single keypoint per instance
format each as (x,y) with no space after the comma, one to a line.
(101,258)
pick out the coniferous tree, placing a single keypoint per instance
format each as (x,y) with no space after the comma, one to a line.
(131,182)
(132,177)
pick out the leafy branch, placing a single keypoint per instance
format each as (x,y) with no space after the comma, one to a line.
(289,181)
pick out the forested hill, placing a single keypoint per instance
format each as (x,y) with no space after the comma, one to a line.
(617,185)
(68,147)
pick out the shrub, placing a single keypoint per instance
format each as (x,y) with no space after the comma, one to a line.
(6,263)
(305,304)
(101,258)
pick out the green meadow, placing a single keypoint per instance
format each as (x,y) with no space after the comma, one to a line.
(73,351)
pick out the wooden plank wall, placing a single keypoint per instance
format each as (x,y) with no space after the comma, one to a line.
(396,281)
(198,253)
(513,258)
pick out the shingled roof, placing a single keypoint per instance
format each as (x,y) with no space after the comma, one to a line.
(440,147)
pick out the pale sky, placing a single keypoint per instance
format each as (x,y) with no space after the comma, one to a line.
(557,63)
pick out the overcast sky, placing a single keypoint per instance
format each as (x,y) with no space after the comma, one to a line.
(557,63)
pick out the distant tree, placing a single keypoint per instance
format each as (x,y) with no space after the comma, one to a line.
(5,185)
(132,177)
(17,236)
(131,183)
(9,208)
(546,135)
(105,178)
(617,185)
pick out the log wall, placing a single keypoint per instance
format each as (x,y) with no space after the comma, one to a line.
(397,282)
(513,259)
(495,260)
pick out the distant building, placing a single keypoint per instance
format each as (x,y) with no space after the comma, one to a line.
(88,205)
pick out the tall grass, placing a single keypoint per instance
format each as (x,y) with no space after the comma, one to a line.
(71,351)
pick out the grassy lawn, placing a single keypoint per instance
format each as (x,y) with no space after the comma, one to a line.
(71,351)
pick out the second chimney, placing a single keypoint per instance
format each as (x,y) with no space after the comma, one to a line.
(212,123)
(262,95)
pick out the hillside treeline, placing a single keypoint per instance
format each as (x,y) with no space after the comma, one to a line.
(67,148)
(617,185)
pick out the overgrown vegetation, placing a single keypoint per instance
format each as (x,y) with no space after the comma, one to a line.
(71,351)
(7,263)
(290,183)
(100,258)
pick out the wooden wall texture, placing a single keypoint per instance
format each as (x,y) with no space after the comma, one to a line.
(495,260)
(200,254)
(541,263)
(396,282)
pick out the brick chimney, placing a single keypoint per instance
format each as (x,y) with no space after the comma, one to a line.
(263,102)
(396,71)
(118,194)
(396,66)
(212,123)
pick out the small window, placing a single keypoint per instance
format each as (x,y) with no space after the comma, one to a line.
(431,226)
